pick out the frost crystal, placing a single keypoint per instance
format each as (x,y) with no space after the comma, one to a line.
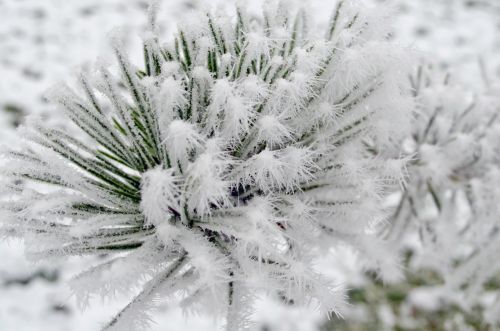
(223,169)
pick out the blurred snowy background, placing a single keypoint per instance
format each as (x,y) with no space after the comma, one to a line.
(45,41)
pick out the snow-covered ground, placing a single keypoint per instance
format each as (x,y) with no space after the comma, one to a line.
(42,42)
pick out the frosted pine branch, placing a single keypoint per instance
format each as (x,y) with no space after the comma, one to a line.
(224,167)
(450,205)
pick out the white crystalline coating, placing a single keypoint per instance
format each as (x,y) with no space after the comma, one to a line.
(159,192)
(202,76)
(233,108)
(171,68)
(285,169)
(254,88)
(267,170)
(395,169)
(221,168)
(272,131)
(206,182)
(170,96)
(300,161)
(434,162)
(290,96)
(204,46)
(182,138)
